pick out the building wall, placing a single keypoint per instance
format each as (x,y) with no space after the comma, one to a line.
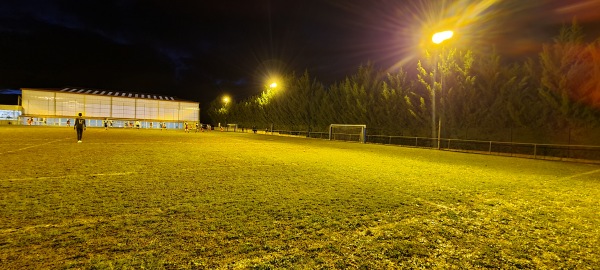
(40,103)
(66,104)
(10,114)
(189,111)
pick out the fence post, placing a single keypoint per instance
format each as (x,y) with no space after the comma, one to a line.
(512,147)
(449,140)
(490,150)
(535,151)
(569,145)
(416,141)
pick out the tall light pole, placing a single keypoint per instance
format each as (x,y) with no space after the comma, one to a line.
(226,100)
(272,87)
(438,38)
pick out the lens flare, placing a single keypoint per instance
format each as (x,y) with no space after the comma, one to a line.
(439,37)
(397,33)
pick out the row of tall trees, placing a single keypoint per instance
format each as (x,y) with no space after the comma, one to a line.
(557,90)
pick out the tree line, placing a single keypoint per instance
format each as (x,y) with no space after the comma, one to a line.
(481,93)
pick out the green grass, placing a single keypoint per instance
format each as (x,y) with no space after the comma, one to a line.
(171,200)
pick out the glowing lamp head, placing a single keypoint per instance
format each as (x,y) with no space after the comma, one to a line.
(226,99)
(439,37)
(273,85)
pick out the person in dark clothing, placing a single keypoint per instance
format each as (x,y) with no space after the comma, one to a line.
(80,127)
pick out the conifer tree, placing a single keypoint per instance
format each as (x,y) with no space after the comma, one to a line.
(565,72)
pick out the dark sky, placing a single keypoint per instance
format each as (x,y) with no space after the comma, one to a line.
(199,49)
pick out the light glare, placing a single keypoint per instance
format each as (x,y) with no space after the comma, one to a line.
(439,37)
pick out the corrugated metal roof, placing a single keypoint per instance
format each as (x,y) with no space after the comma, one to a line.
(116,94)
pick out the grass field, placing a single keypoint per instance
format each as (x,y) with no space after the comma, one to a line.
(169,200)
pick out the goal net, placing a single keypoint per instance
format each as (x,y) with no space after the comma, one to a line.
(343,132)
(231,127)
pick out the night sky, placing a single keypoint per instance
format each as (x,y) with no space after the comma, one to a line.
(200,49)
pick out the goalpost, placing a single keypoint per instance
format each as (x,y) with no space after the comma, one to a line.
(344,132)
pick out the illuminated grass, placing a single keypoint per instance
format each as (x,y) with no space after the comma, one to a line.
(152,199)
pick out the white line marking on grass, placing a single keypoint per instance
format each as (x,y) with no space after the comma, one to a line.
(423,201)
(71,175)
(112,174)
(67,223)
(580,174)
(35,145)
(141,143)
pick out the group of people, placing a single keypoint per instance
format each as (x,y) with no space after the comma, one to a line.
(80,126)
(198,127)
(135,124)
(107,123)
(40,121)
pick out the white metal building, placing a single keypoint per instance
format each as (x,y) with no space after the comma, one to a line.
(56,106)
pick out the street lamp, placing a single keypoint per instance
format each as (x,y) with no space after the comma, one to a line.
(438,38)
(225,100)
(272,86)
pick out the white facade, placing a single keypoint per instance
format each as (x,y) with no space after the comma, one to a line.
(98,104)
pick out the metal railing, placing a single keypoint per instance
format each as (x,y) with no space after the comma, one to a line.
(318,135)
(579,153)
(299,133)
(587,153)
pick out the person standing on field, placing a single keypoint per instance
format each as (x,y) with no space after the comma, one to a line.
(80,127)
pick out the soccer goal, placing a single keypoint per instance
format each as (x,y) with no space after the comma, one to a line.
(232,127)
(343,132)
